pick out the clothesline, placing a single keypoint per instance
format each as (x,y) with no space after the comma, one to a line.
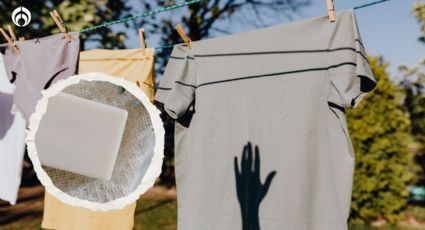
(180,5)
(145,14)
(370,4)
(356,8)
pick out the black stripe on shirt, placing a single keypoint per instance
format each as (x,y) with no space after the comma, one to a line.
(185,84)
(174,57)
(360,42)
(276,52)
(362,54)
(163,88)
(338,107)
(271,52)
(182,58)
(271,74)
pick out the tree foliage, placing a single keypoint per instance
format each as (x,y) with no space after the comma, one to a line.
(207,17)
(380,131)
(419,11)
(77,14)
(414,86)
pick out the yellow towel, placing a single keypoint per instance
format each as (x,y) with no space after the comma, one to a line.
(132,65)
(58,215)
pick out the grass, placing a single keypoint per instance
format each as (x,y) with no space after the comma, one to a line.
(364,227)
(30,223)
(154,213)
(151,213)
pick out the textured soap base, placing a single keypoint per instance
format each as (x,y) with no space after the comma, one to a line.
(80,136)
(150,164)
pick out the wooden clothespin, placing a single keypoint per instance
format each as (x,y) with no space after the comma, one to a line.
(12,34)
(331,10)
(60,24)
(184,36)
(9,41)
(142,38)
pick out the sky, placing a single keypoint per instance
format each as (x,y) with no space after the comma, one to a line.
(388,29)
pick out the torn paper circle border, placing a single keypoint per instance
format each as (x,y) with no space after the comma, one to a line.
(152,172)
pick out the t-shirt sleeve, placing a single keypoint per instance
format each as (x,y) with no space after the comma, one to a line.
(352,79)
(176,90)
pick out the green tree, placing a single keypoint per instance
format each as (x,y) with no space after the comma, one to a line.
(77,14)
(414,86)
(380,131)
(419,11)
(206,18)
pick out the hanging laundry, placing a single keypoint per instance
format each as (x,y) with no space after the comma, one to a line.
(58,215)
(267,145)
(9,60)
(41,62)
(12,140)
(131,65)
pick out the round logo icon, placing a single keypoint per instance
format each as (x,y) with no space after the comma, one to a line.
(21,16)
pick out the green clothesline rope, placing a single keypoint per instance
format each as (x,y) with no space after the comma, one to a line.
(145,14)
(164,47)
(173,7)
(370,4)
(356,8)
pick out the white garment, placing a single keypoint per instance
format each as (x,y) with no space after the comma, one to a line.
(12,141)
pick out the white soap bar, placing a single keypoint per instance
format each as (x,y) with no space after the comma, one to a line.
(80,136)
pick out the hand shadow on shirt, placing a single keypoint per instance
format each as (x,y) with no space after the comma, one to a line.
(6,118)
(250,190)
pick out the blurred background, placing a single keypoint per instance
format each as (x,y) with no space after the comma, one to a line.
(387,129)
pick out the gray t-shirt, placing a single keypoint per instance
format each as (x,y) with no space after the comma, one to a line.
(276,95)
